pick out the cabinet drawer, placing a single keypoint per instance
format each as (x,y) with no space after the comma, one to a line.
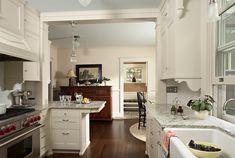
(66,123)
(65,139)
(43,142)
(66,113)
(43,131)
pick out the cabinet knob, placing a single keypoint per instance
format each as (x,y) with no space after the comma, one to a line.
(25,70)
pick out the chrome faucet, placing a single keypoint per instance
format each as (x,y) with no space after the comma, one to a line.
(227,103)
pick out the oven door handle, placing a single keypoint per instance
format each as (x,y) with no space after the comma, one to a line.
(19,136)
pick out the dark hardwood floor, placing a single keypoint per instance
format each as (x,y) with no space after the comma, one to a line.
(111,140)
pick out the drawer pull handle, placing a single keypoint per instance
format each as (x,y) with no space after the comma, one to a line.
(65,120)
(65,133)
(151,133)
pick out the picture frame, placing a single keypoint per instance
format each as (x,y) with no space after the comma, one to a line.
(89,73)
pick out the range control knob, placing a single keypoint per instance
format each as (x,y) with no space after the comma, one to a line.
(31,120)
(13,127)
(26,123)
(2,132)
(38,118)
(7,130)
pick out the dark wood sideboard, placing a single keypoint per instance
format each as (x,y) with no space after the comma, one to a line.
(98,93)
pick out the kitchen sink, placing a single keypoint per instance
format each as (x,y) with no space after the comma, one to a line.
(179,145)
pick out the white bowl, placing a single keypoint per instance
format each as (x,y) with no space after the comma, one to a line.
(207,154)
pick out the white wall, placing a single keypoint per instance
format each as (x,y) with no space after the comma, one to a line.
(109,58)
(184,94)
(2,75)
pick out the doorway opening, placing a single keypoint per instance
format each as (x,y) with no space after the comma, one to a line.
(134,79)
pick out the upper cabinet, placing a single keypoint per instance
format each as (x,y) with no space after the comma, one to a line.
(12,16)
(32,29)
(19,30)
(181,42)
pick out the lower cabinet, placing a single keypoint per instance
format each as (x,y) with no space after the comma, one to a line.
(44,133)
(153,137)
(65,129)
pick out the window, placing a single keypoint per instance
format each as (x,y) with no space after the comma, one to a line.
(224,83)
(225,56)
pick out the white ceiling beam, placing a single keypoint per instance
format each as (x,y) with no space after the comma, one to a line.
(100,15)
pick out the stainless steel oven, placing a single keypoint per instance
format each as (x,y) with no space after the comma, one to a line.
(23,144)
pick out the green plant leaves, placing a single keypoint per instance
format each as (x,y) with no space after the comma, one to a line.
(202,104)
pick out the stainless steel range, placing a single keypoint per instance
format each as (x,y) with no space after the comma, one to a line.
(19,133)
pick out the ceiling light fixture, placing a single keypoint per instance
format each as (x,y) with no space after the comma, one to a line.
(213,14)
(75,44)
(84,3)
(75,47)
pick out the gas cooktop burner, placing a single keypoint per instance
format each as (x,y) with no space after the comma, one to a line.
(12,112)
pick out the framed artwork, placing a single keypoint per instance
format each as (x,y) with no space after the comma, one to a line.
(89,73)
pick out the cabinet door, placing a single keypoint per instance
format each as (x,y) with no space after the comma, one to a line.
(59,139)
(31,20)
(31,71)
(11,16)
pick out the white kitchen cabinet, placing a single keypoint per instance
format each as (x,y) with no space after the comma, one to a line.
(181,42)
(65,129)
(12,16)
(153,138)
(70,130)
(32,29)
(31,71)
(44,133)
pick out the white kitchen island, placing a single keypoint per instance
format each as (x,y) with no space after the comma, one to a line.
(70,125)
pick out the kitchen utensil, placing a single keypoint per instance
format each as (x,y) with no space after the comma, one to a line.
(3,108)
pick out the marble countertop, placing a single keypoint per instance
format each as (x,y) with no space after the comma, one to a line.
(162,114)
(93,106)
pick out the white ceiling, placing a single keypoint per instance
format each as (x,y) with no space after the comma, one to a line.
(73,5)
(104,34)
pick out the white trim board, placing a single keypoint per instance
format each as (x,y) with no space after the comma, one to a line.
(100,15)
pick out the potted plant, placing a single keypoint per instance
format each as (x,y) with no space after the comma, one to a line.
(202,106)
(105,80)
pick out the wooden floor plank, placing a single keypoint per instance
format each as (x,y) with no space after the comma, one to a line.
(111,140)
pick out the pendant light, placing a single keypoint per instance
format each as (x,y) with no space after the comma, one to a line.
(75,47)
(213,14)
(75,43)
(84,3)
